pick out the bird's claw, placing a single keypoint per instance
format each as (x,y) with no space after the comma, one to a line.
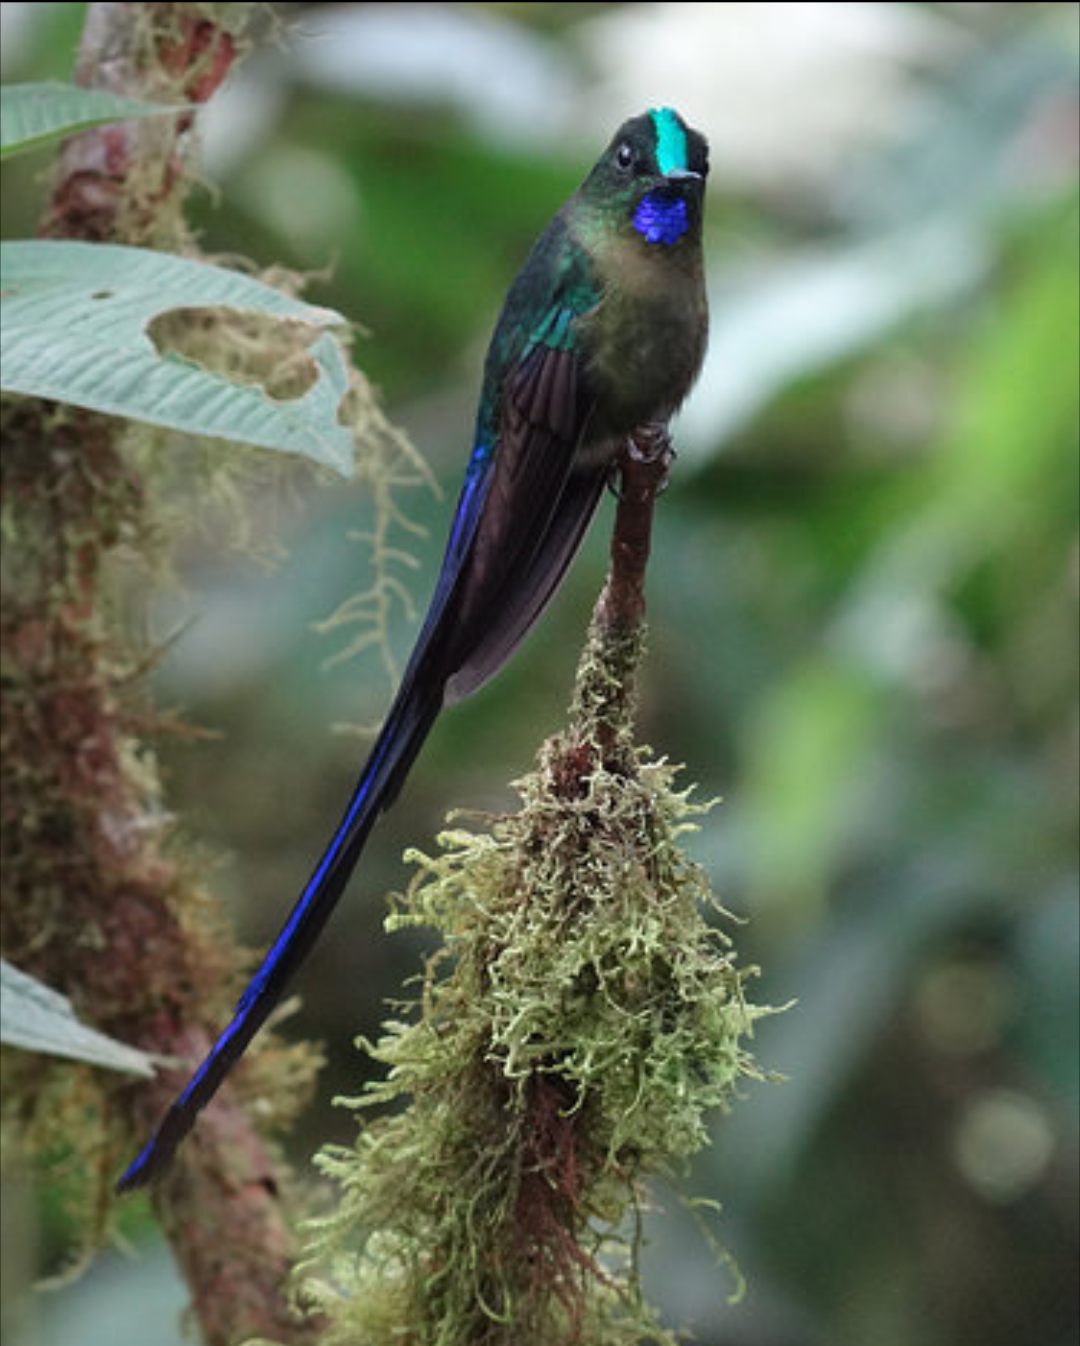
(648,444)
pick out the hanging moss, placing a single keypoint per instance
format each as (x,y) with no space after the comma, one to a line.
(583,1018)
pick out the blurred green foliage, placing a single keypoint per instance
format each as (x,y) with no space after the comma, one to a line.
(863,606)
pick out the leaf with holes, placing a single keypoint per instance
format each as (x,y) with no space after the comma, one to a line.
(76,327)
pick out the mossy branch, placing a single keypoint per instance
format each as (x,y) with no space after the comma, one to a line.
(583,1016)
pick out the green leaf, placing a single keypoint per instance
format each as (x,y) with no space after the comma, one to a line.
(33,114)
(74,329)
(40,1020)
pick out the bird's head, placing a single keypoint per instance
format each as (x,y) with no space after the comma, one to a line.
(652,178)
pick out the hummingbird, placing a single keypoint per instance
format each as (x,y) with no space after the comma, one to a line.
(603,331)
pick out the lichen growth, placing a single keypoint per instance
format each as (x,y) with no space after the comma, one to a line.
(388,467)
(583,1017)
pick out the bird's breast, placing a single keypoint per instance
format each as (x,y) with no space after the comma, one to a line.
(645,339)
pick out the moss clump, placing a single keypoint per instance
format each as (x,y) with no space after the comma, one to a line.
(579,1023)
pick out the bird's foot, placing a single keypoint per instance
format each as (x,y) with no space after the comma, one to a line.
(650,446)
(649,443)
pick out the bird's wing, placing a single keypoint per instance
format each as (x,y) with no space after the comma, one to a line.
(536,507)
(534,586)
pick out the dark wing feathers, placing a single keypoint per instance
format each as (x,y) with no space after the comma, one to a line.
(535,515)
(534,588)
(545,391)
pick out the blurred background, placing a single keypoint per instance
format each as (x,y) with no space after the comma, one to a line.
(862,600)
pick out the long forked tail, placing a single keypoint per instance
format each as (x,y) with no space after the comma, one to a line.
(400,740)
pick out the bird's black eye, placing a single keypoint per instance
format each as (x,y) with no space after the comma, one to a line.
(624,156)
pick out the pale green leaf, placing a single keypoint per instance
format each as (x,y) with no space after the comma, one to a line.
(41,1020)
(74,329)
(33,114)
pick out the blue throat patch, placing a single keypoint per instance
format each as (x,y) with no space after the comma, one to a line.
(661,218)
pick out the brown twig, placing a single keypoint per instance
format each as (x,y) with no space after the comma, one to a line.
(643,470)
(605,690)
